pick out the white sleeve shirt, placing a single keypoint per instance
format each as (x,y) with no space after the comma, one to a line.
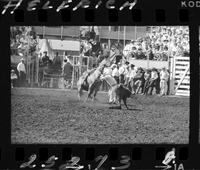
(115,72)
(21,67)
(132,73)
(154,75)
(164,75)
(121,70)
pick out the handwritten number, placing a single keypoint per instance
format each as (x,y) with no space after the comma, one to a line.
(124,160)
(72,164)
(103,159)
(32,158)
(50,162)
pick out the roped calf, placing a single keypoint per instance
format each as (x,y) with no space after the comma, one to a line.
(121,92)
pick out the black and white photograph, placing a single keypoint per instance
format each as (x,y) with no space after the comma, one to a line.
(100,84)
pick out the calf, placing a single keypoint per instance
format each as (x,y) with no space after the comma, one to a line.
(120,92)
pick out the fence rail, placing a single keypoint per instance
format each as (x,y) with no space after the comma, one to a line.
(181,75)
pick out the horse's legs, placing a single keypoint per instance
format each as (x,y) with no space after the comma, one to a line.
(95,93)
(110,94)
(96,88)
(79,93)
(132,86)
(89,93)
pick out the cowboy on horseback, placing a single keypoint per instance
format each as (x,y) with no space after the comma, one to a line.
(90,80)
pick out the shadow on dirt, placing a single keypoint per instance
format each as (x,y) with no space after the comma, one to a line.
(121,108)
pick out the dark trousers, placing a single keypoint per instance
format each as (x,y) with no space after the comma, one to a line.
(117,79)
(40,77)
(146,84)
(152,84)
(22,78)
(122,79)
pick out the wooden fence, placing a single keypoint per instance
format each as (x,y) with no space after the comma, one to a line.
(180,75)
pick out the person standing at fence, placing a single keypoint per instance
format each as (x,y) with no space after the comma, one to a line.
(67,73)
(123,71)
(164,76)
(45,59)
(132,74)
(13,77)
(147,76)
(115,72)
(137,82)
(57,62)
(22,72)
(152,81)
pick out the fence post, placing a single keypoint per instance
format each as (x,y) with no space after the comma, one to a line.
(173,69)
(170,83)
(72,74)
(148,61)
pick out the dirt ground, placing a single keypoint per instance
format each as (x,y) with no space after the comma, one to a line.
(47,116)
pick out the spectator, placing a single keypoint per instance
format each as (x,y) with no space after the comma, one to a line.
(152,81)
(147,77)
(128,48)
(13,77)
(22,72)
(140,54)
(115,73)
(123,71)
(45,59)
(57,62)
(164,76)
(67,73)
(105,51)
(132,74)
(138,80)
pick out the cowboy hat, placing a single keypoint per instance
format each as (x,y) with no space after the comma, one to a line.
(113,65)
(126,62)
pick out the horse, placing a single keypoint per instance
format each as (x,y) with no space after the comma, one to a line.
(91,82)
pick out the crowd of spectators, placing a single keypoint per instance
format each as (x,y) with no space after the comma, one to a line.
(21,39)
(138,80)
(157,44)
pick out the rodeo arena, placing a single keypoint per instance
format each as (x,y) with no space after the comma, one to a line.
(100,84)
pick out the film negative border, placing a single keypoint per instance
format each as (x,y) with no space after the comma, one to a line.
(134,157)
(141,156)
(86,11)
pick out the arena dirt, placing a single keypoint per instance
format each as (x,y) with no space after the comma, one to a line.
(57,117)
